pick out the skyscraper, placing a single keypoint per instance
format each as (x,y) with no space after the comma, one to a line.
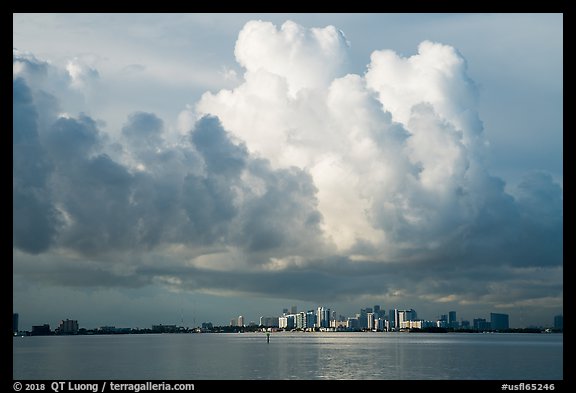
(452,322)
(370,321)
(15,323)
(300,320)
(499,321)
(558,322)
(393,318)
(379,312)
(241,321)
(411,315)
(287,322)
(310,319)
(362,319)
(402,316)
(323,317)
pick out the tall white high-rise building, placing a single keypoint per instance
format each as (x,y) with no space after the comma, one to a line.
(370,321)
(323,317)
(300,320)
(401,319)
(403,316)
(287,321)
(241,321)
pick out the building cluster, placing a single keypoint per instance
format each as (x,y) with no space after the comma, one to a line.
(319,319)
(372,319)
(66,327)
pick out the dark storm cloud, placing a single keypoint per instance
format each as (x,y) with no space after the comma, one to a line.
(280,215)
(338,279)
(96,197)
(35,221)
(221,156)
(144,130)
(541,213)
(315,283)
(208,203)
(285,215)
(72,140)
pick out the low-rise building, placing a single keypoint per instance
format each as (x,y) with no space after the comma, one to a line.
(41,330)
(164,328)
(338,325)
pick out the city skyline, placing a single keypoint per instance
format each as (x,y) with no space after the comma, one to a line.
(190,167)
(447,320)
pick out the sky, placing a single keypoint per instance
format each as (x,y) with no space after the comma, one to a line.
(189,168)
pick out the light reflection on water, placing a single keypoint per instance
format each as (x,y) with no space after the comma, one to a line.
(307,356)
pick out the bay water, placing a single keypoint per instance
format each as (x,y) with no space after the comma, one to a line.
(290,355)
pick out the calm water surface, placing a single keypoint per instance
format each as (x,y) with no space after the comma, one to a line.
(308,356)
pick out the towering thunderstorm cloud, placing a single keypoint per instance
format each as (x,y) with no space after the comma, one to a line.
(302,182)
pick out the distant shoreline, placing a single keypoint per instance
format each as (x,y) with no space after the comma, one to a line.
(260,330)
